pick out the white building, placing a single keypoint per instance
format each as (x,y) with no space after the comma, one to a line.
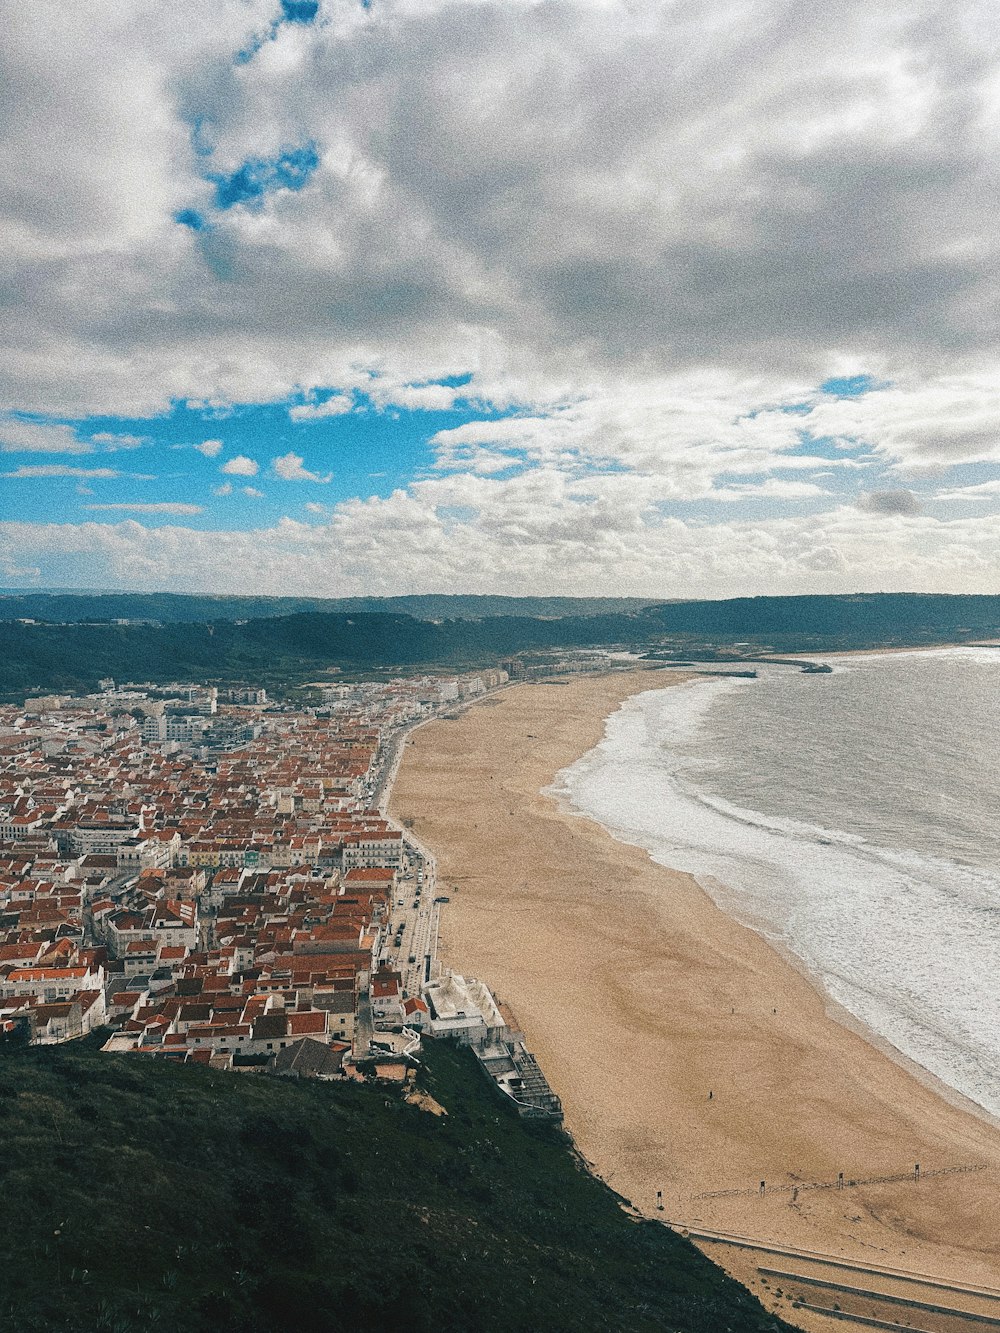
(374,849)
(461,1008)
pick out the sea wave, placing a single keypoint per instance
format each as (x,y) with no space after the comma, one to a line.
(906,942)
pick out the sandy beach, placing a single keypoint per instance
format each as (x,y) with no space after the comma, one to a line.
(640,997)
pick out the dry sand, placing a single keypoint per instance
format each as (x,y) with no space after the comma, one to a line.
(639,996)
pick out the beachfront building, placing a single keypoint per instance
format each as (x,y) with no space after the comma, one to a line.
(461,1008)
(379,848)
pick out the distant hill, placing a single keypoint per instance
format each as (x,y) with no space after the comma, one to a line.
(277,650)
(142,1197)
(857,620)
(168,607)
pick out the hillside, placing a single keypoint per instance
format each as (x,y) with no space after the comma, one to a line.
(275,650)
(815,622)
(166,607)
(141,1196)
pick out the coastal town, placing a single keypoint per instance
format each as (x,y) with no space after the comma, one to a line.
(208,876)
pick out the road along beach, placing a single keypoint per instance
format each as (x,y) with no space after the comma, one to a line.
(640,998)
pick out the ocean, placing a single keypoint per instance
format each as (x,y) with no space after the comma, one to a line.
(853,818)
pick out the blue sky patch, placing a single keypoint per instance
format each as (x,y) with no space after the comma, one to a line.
(299,11)
(259,176)
(792,409)
(851,386)
(191,218)
(178,459)
(201,136)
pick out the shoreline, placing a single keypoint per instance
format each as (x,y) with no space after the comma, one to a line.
(726,900)
(640,994)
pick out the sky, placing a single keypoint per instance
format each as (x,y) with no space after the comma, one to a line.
(528,297)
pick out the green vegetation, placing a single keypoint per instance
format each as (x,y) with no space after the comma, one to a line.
(142,1196)
(815,623)
(168,606)
(277,650)
(285,650)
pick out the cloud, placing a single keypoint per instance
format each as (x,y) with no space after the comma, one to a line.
(60,470)
(715,187)
(534,534)
(289,468)
(416,397)
(335,406)
(112,442)
(160,507)
(253,492)
(916,423)
(774,488)
(240,466)
(18,435)
(725,210)
(210,448)
(686,428)
(986,490)
(889,502)
(225,489)
(312,508)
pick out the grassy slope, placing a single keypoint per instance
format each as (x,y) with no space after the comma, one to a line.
(142,1196)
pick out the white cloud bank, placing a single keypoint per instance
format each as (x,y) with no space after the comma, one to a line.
(650,230)
(536,532)
(762,187)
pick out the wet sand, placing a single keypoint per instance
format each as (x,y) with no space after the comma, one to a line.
(639,997)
